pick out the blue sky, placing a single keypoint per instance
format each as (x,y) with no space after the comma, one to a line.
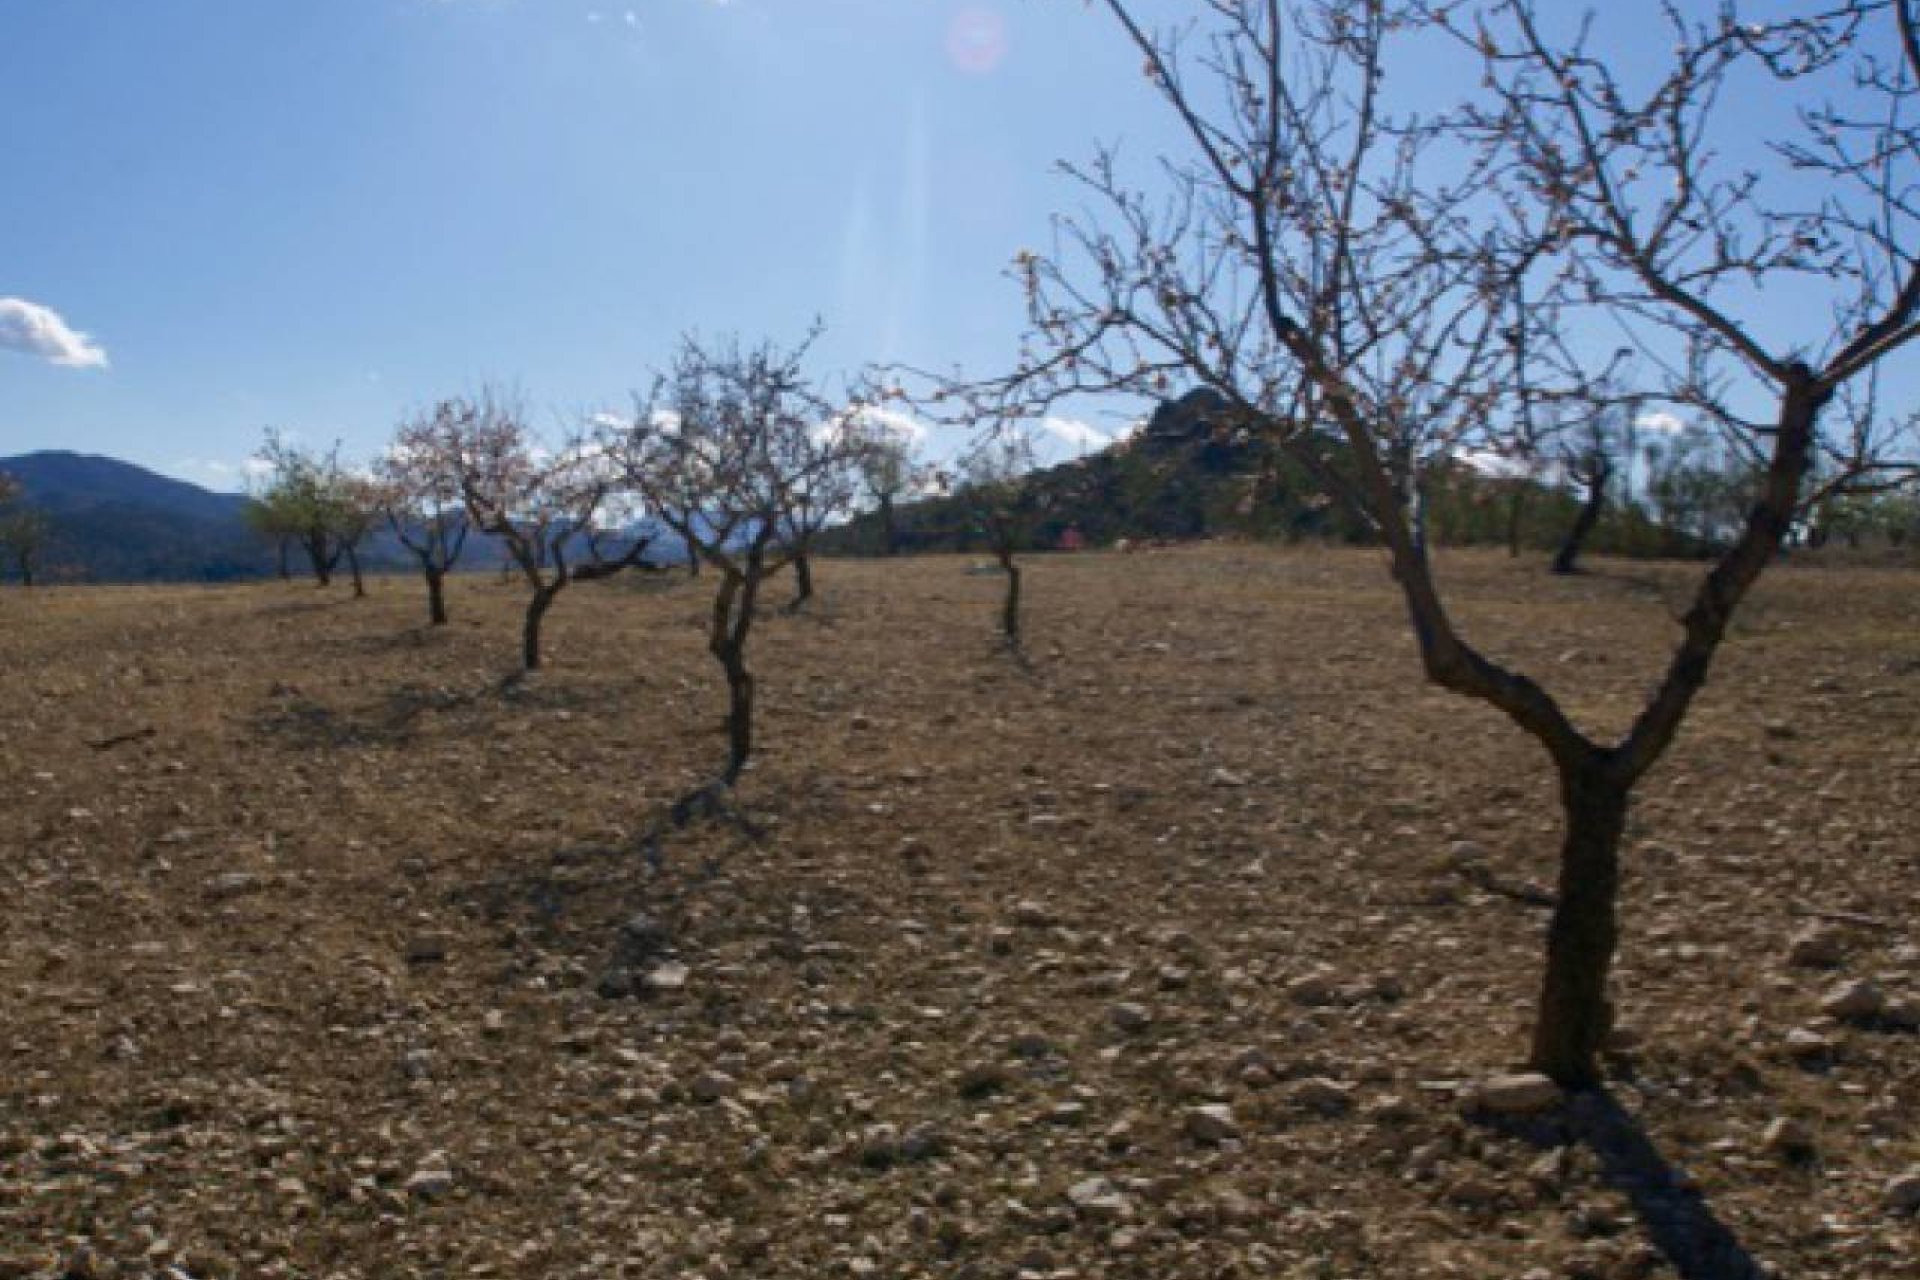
(316,216)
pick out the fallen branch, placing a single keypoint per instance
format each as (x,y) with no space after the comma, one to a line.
(121,739)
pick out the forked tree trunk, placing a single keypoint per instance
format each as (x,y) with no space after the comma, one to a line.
(537,607)
(727,640)
(1575,1016)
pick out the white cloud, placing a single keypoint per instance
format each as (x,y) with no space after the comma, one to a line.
(1500,466)
(1660,422)
(34,330)
(1075,433)
(218,474)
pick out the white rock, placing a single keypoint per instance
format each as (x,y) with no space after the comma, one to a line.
(1804,1043)
(433,1178)
(1099,1198)
(1523,1094)
(671,976)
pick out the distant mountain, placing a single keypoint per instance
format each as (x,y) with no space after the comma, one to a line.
(115,522)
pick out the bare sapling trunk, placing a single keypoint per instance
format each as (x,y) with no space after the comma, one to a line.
(1010,607)
(802,579)
(323,556)
(353,565)
(1575,1014)
(1566,560)
(537,606)
(733,607)
(889,534)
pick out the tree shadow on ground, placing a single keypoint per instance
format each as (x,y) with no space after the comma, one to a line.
(1676,1217)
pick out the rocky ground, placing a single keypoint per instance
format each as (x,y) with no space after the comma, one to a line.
(1181,950)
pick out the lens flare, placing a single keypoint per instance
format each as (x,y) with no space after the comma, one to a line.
(977,40)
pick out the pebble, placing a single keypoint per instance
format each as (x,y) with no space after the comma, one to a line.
(711,1086)
(1902,1194)
(433,1178)
(1788,1137)
(669,977)
(1099,1198)
(1211,1124)
(1130,1017)
(1328,1097)
(1806,1044)
(1816,948)
(1853,1001)
(1031,915)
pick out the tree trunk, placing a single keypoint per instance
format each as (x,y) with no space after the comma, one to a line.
(889,535)
(693,558)
(1574,1013)
(739,711)
(1010,611)
(353,564)
(802,579)
(530,632)
(1564,561)
(322,561)
(436,596)
(727,641)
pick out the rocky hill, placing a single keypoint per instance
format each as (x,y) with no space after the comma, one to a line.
(1190,472)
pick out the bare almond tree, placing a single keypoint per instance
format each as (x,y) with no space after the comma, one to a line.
(423,503)
(825,466)
(1321,259)
(724,450)
(991,486)
(546,507)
